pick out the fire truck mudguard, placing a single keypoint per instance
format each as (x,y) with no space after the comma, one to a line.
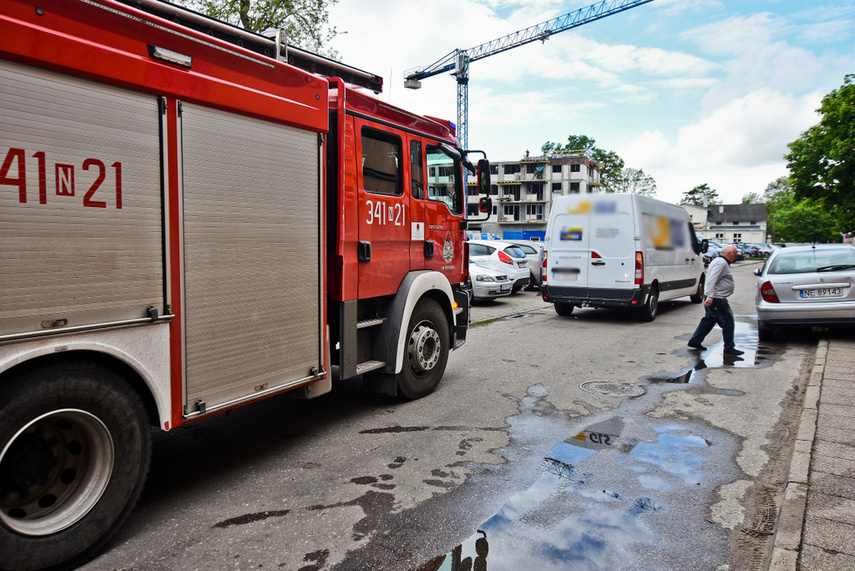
(424,303)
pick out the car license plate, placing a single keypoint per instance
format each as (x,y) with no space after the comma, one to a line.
(504,287)
(822,292)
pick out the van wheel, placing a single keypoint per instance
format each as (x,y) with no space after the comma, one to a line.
(74,452)
(428,341)
(564,309)
(698,297)
(651,306)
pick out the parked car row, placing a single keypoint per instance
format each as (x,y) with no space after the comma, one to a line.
(507,265)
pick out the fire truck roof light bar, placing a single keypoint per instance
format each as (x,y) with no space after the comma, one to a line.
(258,43)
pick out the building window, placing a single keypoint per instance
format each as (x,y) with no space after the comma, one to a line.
(511,169)
(574,187)
(737,238)
(556,168)
(753,222)
(575,168)
(556,188)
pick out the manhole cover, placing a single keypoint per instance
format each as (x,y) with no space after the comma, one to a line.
(612,388)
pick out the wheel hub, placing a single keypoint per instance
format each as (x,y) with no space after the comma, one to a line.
(424,348)
(54,471)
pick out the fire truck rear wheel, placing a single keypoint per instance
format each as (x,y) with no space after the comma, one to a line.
(74,453)
(428,342)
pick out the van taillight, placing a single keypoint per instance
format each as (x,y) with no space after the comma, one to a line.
(639,268)
(767,292)
(503,257)
(543,269)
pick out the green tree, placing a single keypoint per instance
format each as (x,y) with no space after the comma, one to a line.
(822,159)
(805,221)
(611,164)
(752,198)
(636,181)
(306,22)
(697,195)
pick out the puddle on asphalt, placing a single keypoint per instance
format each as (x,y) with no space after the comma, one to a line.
(610,526)
(579,515)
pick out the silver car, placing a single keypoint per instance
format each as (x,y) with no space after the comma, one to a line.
(487,283)
(805,286)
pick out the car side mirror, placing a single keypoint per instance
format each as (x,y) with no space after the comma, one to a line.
(758,271)
(705,246)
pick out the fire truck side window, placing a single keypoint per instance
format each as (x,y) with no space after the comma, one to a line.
(417,170)
(444,184)
(381,162)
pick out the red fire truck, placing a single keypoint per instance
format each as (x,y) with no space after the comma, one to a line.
(192,218)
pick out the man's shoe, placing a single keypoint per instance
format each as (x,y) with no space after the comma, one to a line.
(733,352)
(698,346)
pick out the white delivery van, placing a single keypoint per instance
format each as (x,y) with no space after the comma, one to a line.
(620,250)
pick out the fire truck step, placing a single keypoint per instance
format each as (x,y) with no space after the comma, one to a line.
(366,366)
(369,323)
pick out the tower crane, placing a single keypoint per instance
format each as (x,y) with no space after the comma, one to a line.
(457,61)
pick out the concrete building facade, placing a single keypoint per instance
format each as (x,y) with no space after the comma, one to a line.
(522,193)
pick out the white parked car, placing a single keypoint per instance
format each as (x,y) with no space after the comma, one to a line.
(532,254)
(502,257)
(487,283)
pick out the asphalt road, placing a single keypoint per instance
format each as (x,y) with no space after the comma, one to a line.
(592,441)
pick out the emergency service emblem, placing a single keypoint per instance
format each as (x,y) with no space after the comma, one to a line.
(448,249)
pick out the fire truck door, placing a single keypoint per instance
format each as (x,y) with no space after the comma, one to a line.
(384,218)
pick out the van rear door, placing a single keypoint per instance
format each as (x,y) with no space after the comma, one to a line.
(592,248)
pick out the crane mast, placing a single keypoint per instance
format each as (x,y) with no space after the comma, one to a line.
(457,61)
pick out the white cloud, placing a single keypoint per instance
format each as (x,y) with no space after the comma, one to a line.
(736,149)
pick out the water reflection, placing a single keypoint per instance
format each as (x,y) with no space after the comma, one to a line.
(566,520)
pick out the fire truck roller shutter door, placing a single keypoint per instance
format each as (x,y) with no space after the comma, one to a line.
(252,255)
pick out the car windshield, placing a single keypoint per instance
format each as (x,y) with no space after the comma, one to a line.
(832,260)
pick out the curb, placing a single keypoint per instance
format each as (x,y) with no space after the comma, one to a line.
(788,530)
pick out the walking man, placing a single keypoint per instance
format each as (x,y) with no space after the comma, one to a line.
(717,311)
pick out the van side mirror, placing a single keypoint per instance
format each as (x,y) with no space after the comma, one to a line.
(705,246)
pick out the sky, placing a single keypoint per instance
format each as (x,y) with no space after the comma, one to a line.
(690,91)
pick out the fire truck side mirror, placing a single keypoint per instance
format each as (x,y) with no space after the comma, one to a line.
(485,204)
(483,176)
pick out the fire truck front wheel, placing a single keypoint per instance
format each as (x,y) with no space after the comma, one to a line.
(428,343)
(74,452)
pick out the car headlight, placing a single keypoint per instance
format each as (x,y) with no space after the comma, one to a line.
(485,278)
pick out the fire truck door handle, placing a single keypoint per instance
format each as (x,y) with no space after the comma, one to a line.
(598,263)
(428,249)
(363,251)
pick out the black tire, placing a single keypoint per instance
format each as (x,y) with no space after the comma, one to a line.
(648,311)
(428,343)
(74,453)
(564,309)
(765,332)
(698,296)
